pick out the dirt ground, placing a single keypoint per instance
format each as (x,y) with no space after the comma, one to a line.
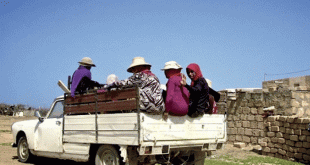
(8,155)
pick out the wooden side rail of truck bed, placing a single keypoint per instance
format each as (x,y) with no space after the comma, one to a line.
(99,101)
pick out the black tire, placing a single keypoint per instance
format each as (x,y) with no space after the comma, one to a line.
(107,155)
(23,153)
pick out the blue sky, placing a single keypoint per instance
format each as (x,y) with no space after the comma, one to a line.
(234,42)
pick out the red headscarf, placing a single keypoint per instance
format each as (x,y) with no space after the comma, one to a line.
(194,67)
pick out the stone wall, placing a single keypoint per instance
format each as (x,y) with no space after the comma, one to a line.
(287,138)
(247,108)
(245,115)
(294,83)
(277,120)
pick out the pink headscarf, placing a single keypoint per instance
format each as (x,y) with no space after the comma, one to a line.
(173,72)
(194,67)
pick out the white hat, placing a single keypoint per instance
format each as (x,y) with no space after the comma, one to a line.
(137,61)
(86,61)
(112,78)
(172,65)
(209,82)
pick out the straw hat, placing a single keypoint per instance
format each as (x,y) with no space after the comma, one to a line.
(172,65)
(86,61)
(137,61)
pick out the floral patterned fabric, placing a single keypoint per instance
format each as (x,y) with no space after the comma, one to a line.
(151,99)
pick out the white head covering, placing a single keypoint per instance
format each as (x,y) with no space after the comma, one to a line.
(112,78)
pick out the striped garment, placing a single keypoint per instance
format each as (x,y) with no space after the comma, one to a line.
(151,99)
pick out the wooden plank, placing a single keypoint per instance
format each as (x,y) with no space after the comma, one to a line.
(117,95)
(79,99)
(103,107)
(81,108)
(117,105)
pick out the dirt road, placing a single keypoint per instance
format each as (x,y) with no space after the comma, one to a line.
(8,155)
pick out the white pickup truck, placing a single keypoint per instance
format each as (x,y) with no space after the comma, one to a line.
(109,128)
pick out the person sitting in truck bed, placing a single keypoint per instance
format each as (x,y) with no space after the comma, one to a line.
(81,78)
(177,99)
(199,91)
(151,99)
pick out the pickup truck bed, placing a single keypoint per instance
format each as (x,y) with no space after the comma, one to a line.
(86,120)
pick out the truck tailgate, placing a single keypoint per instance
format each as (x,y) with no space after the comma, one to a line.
(180,130)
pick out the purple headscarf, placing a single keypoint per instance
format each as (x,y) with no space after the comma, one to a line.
(77,77)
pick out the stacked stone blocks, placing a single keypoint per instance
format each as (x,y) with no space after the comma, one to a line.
(287,138)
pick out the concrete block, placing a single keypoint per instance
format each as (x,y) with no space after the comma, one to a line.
(305,144)
(259,118)
(238,124)
(298,155)
(246,124)
(251,117)
(303,138)
(279,134)
(271,134)
(273,150)
(254,140)
(283,118)
(274,140)
(239,138)
(278,145)
(266,149)
(291,119)
(290,143)
(281,140)
(294,138)
(248,132)
(298,144)
(275,128)
(271,145)
(260,125)
(240,131)
(282,152)
(282,129)
(263,144)
(254,111)
(253,124)
(239,145)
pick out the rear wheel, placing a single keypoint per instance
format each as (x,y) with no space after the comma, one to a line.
(23,152)
(107,155)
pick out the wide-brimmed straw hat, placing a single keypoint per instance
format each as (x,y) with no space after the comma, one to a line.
(172,65)
(86,61)
(137,61)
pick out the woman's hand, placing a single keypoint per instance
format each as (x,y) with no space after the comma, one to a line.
(183,81)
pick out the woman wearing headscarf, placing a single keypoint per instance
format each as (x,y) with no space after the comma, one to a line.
(151,98)
(177,98)
(199,91)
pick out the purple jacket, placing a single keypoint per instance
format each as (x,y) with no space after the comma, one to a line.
(77,77)
(177,99)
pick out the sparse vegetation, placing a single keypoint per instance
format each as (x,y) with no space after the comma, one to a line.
(5,131)
(5,144)
(250,160)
